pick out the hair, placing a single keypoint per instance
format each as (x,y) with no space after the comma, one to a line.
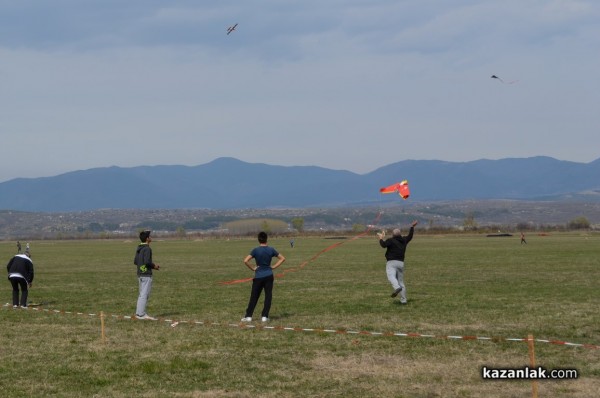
(397,232)
(262,237)
(144,235)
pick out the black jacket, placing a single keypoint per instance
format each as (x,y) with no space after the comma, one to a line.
(21,264)
(396,246)
(143,260)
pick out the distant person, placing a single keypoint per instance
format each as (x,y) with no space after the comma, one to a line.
(20,275)
(27,248)
(292,243)
(263,276)
(523,241)
(145,265)
(18,247)
(394,254)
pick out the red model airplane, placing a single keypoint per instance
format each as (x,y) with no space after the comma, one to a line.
(400,187)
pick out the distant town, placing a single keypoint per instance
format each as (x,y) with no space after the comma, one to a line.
(481,216)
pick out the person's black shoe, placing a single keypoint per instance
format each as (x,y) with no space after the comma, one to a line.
(396,292)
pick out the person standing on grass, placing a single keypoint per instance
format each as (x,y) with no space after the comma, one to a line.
(145,265)
(263,276)
(394,254)
(20,274)
(523,238)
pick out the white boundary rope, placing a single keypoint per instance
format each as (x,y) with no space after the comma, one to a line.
(241,325)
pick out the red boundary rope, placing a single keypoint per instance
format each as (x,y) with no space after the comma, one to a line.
(313,258)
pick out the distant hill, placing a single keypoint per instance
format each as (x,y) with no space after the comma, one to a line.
(228,183)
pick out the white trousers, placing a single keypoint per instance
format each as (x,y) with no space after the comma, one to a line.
(145,288)
(395,274)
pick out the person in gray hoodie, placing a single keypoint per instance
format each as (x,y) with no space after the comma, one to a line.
(20,274)
(145,265)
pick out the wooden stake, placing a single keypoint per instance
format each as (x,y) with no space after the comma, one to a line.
(534,384)
(102,326)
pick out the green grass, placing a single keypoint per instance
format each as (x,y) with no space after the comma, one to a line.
(457,285)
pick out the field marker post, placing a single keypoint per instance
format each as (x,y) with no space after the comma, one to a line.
(534,384)
(102,327)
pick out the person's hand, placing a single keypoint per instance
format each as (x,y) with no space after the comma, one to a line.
(156,267)
(414,223)
(381,234)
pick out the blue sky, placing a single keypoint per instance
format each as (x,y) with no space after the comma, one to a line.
(352,84)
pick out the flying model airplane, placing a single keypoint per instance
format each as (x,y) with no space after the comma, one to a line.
(510,82)
(231,28)
(401,188)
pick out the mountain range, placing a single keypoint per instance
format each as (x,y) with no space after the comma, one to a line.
(228,183)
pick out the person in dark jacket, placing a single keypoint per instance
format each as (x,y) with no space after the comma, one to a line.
(394,254)
(20,274)
(145,265)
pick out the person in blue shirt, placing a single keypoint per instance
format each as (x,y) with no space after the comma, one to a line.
(263,276)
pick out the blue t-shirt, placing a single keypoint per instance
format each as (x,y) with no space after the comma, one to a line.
(263,256)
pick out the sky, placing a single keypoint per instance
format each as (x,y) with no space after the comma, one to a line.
(342,84)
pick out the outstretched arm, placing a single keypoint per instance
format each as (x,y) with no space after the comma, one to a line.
(408,237)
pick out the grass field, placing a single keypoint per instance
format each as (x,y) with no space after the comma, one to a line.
(457,285)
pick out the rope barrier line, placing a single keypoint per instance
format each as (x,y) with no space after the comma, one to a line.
(313,258)
(243,326)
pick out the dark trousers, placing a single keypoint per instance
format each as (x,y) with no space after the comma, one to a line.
(16,282)
(258,285)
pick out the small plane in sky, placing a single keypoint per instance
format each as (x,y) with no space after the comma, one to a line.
(231,28)
(509,82)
